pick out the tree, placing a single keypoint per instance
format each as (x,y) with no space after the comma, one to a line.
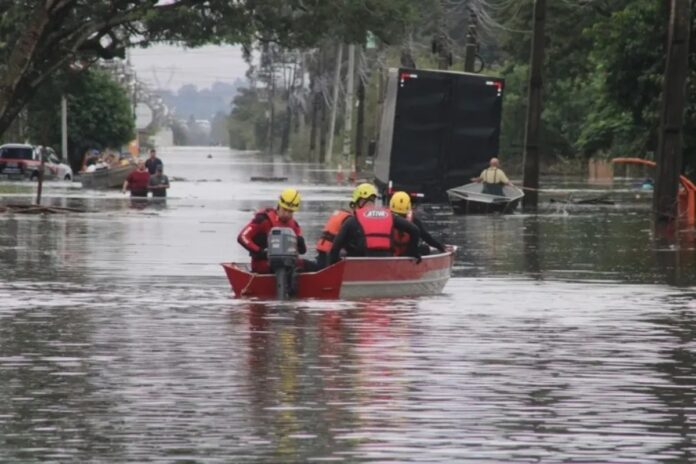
(39,37)
(100,114)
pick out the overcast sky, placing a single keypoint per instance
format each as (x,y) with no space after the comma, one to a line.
(175,66)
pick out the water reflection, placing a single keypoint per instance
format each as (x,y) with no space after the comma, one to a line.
(563,337)
(530,239)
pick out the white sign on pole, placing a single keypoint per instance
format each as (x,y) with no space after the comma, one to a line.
(143,115)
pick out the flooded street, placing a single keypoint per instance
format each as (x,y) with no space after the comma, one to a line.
(563,337)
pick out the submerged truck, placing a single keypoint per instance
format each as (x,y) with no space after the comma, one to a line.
(438,129)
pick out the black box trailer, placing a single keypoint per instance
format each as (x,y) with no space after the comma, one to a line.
(438,129)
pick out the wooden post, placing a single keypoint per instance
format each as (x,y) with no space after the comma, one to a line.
(669,149)
(534,109)
(64,129)
(39,188)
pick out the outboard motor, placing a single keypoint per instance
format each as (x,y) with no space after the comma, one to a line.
(282,258)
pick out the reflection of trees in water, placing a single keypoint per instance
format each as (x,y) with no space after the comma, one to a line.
(678,369)
(674,257)
(530,242)
(48,396)
(43,248)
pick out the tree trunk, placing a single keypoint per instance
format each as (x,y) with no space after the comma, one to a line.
(334,103)
(271,109)
(322,132)
(360,125)
(348,120)
(669,150)
(285,138)
(532,150)
(314,112)
(18,65)
(470,48)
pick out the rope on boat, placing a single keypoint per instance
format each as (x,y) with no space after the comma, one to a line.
(246,287)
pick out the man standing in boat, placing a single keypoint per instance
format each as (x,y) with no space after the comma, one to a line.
(400,205)
(369,231)
(493,178)
(254,236)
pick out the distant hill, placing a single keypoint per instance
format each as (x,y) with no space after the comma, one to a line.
(201,104)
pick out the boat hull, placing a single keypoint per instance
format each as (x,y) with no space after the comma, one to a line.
(353,278)
(106,178)
(325,284)
(396,277)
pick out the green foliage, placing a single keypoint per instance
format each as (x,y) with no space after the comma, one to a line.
(248,122)
(39,37)
(100,114)
(603,74)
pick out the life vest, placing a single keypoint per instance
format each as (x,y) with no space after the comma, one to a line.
(331,228)
(402,239)
(376,224)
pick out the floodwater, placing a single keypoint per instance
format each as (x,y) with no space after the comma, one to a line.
(568,336)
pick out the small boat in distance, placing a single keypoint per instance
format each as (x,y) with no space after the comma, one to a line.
(353,278)
(106,173)
(470,199)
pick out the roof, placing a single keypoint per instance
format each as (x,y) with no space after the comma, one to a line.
(16,145)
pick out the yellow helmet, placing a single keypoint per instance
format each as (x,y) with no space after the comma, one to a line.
(364,191)
(289,199)
(400,203)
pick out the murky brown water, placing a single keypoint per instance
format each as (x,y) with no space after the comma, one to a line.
(563,337)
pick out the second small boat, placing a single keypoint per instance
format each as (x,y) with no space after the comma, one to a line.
(470,199)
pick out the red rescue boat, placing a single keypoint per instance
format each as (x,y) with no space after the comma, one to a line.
(353,278)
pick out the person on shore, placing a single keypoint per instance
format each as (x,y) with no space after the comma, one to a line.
(254,235)
(400,204)
(493,178)
(331,229)
(137,181)
(159,183)
(369,231)
(153,162)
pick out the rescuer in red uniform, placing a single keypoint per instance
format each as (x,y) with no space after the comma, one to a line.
(254,236)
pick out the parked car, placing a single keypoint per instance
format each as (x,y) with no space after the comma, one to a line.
(19,160)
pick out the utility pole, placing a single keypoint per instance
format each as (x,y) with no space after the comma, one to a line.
(334,102)
(64,128)
(470,48)
(348,121)
(669,149)
(534,109)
